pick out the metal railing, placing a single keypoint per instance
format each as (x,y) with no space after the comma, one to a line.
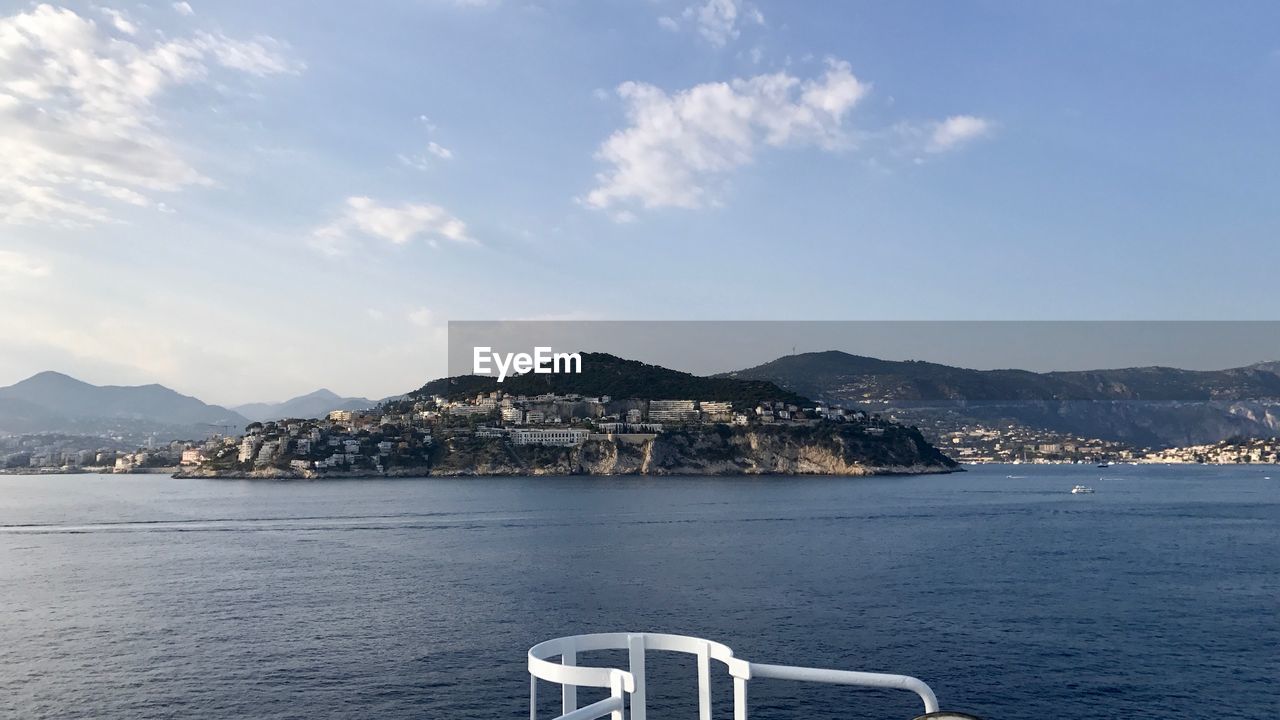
(631,682)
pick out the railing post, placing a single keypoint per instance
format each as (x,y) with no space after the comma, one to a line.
(615,690)
(704,681)
(635,646)
(533,697)
(569,693)
(739,698)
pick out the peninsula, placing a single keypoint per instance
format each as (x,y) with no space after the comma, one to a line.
(616,417)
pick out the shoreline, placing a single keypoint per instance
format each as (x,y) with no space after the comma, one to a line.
(427,473)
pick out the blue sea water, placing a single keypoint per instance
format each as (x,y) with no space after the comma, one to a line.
(150,597)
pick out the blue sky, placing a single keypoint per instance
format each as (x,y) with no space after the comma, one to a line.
(246,201)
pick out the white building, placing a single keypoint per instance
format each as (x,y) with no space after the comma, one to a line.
(249,447)
(267,452)
(716,410)
(566,437)
(675,411)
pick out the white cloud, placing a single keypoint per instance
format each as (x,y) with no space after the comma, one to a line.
(676,144)
(956,131)
(433,150)
(718,21)
(183,8)
(366,217)
(423,162)
(120,21)
(264,55)
(16,263)
(79,125)
(422,317)
(668,23)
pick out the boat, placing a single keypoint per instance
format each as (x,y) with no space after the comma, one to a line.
(627,687)
(1104,464)
(1081,490)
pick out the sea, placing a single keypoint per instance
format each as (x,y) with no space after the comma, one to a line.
(143,596)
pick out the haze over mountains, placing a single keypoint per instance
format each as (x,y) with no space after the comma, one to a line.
(54,402)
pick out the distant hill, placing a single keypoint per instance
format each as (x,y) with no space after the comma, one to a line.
(312,405)
(1157,406)
(604,374)
(838,375)
(53,402)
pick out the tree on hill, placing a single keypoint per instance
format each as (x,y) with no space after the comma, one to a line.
(605,374)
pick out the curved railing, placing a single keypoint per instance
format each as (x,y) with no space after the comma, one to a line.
(631,682)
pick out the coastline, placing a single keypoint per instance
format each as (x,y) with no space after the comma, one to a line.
(425,473)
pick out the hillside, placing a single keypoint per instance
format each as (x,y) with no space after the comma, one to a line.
(604,374)
(838,375)
(1145,406)
(53,402)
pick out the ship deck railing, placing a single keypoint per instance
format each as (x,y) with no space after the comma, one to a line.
(627,688)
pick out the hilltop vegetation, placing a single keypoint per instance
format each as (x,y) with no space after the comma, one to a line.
(1142,406)
(841,376)
(604,374)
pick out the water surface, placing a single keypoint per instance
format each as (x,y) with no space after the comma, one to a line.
(149,597)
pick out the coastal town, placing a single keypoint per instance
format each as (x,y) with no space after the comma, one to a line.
(399,437)
(977,443)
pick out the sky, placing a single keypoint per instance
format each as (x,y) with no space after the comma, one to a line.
(246,201)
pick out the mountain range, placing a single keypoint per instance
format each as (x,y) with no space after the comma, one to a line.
(54,402)
(311,405)
(1157,406)
(839,376)
(1144,406)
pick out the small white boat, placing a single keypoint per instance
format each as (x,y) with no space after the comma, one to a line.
(1081,490)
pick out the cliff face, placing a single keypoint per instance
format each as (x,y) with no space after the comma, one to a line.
(826,449)
(832,450)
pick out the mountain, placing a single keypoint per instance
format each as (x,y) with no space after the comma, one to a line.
(312,405)
(836,375)
(1157,406)
(53,402)
(604,374)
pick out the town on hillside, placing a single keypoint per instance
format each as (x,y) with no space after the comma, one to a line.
(401,434)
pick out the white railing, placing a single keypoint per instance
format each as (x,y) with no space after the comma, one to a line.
(570,675)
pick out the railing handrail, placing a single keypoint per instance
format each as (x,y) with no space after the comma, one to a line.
(595,710)
(849,677)
(569,675)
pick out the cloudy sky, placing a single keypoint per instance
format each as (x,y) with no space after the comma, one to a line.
(246,201)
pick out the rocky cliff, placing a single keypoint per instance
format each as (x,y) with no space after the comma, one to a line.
(825,449)
(821,450)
